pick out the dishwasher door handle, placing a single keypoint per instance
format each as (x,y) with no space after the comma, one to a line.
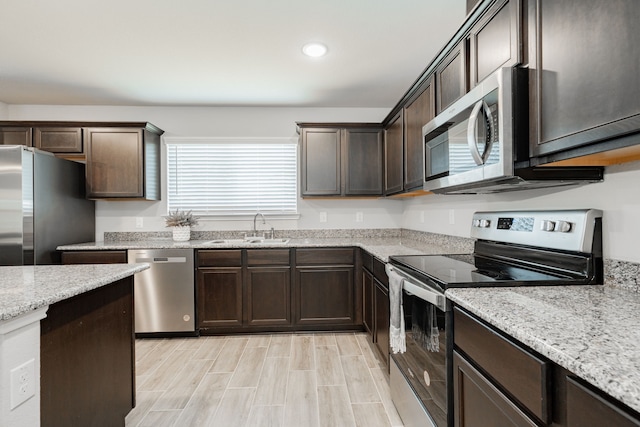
(163,260)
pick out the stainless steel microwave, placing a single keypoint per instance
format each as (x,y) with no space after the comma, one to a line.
(480,143)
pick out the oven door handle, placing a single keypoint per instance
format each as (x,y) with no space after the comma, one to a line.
(422,290)
(425,294)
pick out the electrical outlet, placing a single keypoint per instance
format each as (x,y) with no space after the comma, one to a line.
(323,217)
(23,383)
(139,222)
(359,217)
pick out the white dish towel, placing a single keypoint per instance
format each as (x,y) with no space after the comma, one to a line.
(396,314)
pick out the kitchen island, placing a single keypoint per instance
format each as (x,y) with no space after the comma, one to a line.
(66,338)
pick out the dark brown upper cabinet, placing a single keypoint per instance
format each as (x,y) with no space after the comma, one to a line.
(15,135)
(341,159)
(58,139)
(404,160)
(123,162)
(584,85)
(393,155)
(452,77)
(419,110)
(495,41)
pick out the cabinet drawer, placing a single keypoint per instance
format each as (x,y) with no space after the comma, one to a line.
(474,394)
(94,257)
(586,408)
(367,260)
(258,257)
(522,374)
(220,258)
(325,256)
(379,272)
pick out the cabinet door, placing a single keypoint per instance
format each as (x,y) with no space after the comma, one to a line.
(587,408)
(381,300)
(58,140)
(585,81)
(477,403)
(268,298)
(16,136)
(368,308)
(114,162)
(417,113)
(325,295)
(451,77)
(363,162)
(495,40)
(321,162)
(219,296)
(393,155)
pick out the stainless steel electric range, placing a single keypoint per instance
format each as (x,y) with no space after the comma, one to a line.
(514,248)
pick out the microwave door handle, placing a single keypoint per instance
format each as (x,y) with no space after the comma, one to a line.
(489,144)
(471,132)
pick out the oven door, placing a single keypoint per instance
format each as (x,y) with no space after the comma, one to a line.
(419,377)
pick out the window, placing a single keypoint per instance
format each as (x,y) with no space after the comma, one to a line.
(232,176)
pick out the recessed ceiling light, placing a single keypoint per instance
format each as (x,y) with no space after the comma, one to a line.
(314,50)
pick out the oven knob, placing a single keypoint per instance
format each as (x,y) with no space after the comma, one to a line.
(563,226)
(476,223)
(547,225)
(484,223)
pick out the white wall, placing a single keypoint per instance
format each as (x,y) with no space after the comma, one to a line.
(221,122)
(618,196)
(4,111)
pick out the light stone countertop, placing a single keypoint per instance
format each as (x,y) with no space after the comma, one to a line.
(379,247)
(24,289)
(590,330)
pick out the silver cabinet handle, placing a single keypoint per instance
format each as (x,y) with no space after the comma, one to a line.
(480,159)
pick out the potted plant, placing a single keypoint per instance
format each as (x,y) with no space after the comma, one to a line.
(181,222)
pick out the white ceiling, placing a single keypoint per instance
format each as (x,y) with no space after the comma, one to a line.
(218,52)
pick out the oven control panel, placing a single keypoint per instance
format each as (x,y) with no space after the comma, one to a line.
(571,230)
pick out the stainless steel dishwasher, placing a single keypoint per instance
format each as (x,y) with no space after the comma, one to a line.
(164,295)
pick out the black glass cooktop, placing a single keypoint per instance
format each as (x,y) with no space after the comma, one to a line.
(470,270)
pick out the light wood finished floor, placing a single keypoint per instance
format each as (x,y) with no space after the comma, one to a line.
(320,379)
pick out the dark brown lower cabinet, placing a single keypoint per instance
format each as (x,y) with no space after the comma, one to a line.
(87,358)
(381,300)
(325,295)
(367,301)
(94,257)
(497,381)
(478,403)
(268,298)
(219,297)
(264,290)
(587,407)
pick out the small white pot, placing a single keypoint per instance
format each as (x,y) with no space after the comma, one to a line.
(182,234)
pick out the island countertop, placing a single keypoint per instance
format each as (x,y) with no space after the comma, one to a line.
(590,330)
(27,288)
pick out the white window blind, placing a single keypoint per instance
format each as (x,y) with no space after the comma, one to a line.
(232,176)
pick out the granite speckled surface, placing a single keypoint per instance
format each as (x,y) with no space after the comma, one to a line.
(590,330)
(23,289)
(381,247)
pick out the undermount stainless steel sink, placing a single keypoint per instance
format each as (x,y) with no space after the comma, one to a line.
(248,240)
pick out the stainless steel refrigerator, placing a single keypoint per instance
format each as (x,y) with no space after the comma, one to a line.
(42,206)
